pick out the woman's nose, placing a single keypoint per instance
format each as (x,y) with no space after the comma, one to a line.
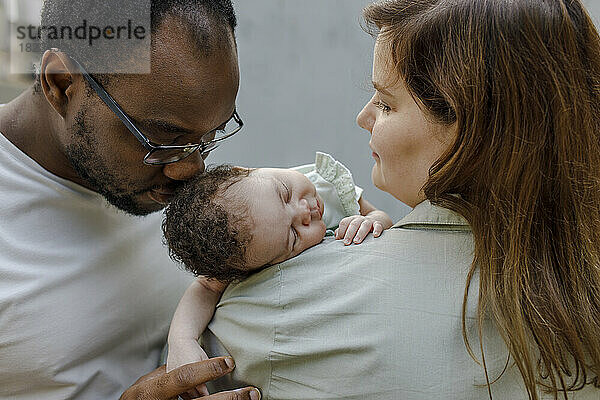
(303,213)
(366,119)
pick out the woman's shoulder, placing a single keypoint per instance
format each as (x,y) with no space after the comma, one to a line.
(399,294)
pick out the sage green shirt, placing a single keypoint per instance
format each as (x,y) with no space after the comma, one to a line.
(379,320)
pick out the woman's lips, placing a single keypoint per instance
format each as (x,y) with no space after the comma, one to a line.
(373,152)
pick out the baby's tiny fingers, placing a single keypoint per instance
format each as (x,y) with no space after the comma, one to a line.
(377,228)
(342,227)
(363,231)
(191,394)
(202,390)
(351,231)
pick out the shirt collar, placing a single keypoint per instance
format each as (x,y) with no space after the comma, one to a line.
(428,216)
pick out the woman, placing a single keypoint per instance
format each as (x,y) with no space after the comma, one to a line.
(518,84)
(489,109)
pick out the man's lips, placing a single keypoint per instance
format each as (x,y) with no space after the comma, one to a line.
(161,195)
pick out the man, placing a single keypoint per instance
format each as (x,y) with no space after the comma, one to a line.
(86,287)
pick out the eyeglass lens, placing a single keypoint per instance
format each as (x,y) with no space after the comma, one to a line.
(166,155)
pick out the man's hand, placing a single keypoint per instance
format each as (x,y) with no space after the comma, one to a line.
(162,385)
(186,351)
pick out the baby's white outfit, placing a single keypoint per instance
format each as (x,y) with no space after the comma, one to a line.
(336,187)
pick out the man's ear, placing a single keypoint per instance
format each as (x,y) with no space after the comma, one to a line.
(56,78)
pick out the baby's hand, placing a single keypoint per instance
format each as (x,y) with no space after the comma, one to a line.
(187,352)
(356,227)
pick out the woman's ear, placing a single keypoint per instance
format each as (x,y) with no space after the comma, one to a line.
(56,78)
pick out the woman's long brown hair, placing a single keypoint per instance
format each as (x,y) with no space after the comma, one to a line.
(521,81)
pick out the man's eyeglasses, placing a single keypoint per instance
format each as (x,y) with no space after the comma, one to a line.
(159,154)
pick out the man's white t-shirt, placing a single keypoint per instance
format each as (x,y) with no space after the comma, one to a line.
(86,291)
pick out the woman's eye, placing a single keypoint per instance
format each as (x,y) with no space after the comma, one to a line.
(382,106)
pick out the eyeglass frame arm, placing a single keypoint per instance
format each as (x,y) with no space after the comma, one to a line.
(112,104)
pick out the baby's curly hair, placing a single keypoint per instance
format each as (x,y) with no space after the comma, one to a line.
(201,234)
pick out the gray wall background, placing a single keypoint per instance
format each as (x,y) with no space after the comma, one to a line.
(594,9)
(305,73)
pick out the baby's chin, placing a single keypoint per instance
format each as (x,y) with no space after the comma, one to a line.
(319,235)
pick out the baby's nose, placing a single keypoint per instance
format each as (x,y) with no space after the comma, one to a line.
(304,212)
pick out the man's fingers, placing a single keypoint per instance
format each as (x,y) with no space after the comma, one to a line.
(156,373)
(248,393)
(189,376)
(185,378)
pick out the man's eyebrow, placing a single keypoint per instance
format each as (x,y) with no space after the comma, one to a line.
(165,126)
(381,88)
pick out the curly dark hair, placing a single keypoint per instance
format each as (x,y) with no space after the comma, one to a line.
(201,234)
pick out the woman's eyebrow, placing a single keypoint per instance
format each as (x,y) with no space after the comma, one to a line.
(380,88)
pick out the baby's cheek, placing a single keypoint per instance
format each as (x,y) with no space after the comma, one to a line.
(314,235)
(319,232)
(311,237)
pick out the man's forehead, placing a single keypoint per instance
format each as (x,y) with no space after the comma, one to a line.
(184,86)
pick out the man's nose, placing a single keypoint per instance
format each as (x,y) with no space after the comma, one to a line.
(186,168)
(304,212)
(365,119)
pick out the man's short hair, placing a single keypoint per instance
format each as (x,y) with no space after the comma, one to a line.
(203,19)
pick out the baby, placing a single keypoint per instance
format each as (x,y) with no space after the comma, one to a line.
(232,221)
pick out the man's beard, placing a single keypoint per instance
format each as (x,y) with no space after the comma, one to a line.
(92,168)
